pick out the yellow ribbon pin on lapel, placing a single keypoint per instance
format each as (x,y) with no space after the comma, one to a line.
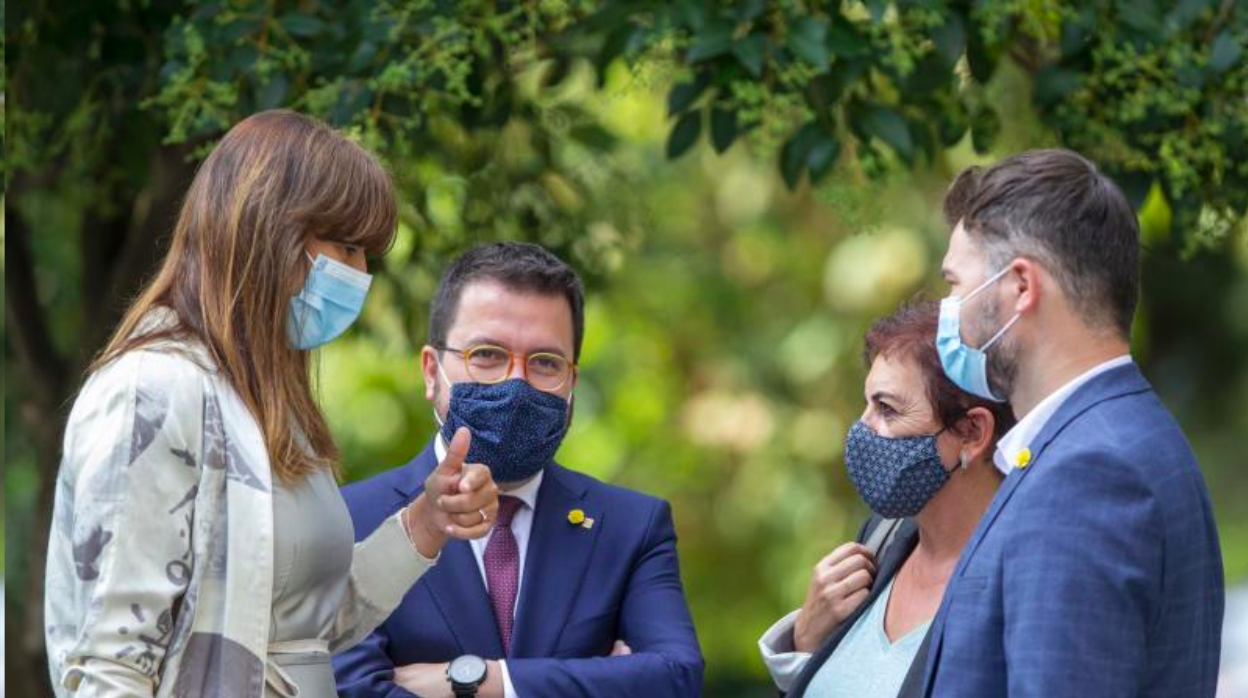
(1023,459)
(576,517)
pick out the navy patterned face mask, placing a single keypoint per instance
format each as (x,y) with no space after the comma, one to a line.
(895,477)
(515,427)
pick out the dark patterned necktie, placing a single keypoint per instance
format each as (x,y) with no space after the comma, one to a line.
(502,568)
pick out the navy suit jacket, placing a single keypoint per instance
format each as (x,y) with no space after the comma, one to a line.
(1096,571)
(583,589)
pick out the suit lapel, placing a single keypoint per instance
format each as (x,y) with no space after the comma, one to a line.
(1116,382)
(555,564)
(455,583)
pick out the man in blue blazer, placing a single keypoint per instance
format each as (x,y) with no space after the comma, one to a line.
(576,591)
(1096,571)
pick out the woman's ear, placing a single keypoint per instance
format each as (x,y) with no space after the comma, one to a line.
(977,430)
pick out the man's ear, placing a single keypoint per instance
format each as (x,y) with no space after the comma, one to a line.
(429,371)
(1028,279)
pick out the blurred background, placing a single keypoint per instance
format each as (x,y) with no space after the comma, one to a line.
(745,186)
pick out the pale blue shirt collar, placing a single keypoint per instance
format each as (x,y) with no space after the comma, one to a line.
(1029,427)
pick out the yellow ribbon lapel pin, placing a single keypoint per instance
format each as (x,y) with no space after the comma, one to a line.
(576,517)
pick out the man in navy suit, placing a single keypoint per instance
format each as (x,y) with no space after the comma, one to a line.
(1096,571)
(576,591)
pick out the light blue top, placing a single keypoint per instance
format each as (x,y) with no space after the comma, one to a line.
(866,663)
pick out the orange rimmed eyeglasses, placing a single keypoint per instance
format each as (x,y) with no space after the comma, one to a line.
(489,364)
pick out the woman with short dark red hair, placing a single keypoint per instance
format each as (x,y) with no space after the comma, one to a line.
(921,457)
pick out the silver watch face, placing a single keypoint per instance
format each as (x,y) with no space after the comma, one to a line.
(468,669)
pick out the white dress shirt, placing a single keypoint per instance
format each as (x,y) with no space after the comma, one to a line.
(1029,427)
(521,527)
(783,661)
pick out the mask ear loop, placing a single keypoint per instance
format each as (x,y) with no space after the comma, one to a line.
(960,465)
(441,374)
(1001,332)
(987,282)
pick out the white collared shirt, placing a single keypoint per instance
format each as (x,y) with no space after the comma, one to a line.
(1032,423)
(521,527)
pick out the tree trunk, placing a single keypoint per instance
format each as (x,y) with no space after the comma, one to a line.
(109,281)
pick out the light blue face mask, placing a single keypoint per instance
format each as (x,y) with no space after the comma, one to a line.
(966,367)
(329,303)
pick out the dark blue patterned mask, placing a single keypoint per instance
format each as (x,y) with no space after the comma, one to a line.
(515,427)
(895,477)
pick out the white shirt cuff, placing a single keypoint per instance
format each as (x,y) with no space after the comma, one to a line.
(509,691)
(783,662)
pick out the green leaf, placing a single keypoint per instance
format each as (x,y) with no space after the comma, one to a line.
(715,41)
(684,135)
(843,74)
(723,128)
(931,73)
(807,40)
(810,148)
(612,46)
(684,94)
(981,57)
(1053,83)
(593,136)
(951,126)
(362,56)
(272,93)
(822,156)
(1225,53)
(692,13)
(950,39)
(556,72)
(749,51)
(793,159)
(985,127)
(299,24)
(845,41)
(877,8)
(886,124)
(750,10)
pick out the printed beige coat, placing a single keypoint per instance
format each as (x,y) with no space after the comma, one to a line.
(160,562)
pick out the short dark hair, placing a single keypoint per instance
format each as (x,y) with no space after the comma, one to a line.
(909,334)
(518,266)
(1054,206)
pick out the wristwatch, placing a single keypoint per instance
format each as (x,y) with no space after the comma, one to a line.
(466,674)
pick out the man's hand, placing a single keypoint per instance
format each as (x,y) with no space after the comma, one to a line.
(430,681)
(459,501)
(621,649)
(425,680)
(838,586)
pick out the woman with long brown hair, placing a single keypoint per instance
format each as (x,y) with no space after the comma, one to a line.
(199,545)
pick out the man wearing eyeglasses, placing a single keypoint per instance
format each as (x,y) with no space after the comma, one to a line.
(576,591)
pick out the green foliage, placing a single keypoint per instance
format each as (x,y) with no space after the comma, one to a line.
(1153,93)
(1156,94)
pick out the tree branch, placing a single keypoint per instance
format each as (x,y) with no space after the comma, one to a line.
(24,319)
(152,217)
